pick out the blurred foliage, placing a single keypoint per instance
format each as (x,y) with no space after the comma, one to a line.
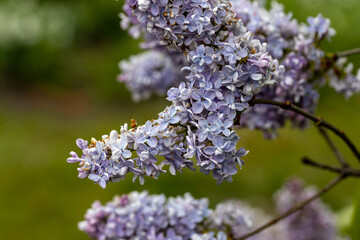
(355,230)
(344,218)
(52,94)
(29,22)
(97,43)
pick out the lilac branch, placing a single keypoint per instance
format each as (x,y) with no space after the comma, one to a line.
(296,207)
(345,170)
(348,52)
(331,144)
(319,121)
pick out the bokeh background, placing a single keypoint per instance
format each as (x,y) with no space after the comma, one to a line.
(58,65)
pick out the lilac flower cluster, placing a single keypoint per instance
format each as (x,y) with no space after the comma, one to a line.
(148,217)
(342,80)
(315,221)
(142,216)
(139,87)
(226,66)
(307,66)
(296,45)
(156,74)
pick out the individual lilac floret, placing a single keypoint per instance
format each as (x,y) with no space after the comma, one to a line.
(233,50)
(320,27)
(149,217)
(203,99)
(200,58)
(149,72)
(314,221)
(209,236)
(344,82)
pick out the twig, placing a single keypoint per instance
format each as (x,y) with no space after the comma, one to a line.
(336,152)
(348,52)
(348,171)
(295,208)
(317,120)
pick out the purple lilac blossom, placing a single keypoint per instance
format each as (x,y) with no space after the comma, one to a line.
(296,45)
(342,79)
(149,72)
(307,67)
(140,216)
(205,95)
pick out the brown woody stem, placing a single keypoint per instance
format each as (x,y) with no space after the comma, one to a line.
(319,121)
(348,52)
(332,146)
(346,170)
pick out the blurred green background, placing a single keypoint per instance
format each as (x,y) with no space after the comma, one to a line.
(58,65)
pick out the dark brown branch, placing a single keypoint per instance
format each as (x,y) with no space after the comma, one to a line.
(348,52)
(317,120)
(295,208)
(347,171)
(343,172)
(331,144)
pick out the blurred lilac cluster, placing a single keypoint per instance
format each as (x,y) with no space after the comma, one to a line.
(295,45)
(142,216)
(157,74)
(226,66)
(314,222)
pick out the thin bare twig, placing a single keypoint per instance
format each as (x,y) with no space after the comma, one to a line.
(295,208)
(348,171)
(348,52)
(319,121)
(331,144)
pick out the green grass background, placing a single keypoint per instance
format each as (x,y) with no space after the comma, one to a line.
(50,97)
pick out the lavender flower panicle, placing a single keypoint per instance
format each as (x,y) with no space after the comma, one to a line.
(140,216)
(149,72)
(211,94)
(143,216)
(220,55)
(306,65)
(295,45)
(223,67)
